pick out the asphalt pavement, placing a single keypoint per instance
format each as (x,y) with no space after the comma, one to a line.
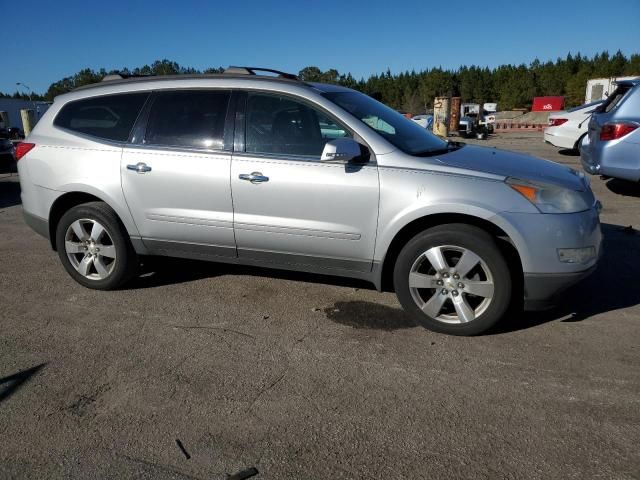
(201,370)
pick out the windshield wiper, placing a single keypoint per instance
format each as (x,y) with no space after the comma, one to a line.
(451,147)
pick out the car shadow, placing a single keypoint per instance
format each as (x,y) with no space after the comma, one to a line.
(569,152)
(12,383)
(599,293)
(609,288)
(368,315)
(623,187)
(9,191)
(160,271)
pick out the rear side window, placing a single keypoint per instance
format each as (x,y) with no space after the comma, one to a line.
(110,117)
(188,119)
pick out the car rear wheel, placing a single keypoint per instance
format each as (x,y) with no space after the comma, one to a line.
(94,247)
(578,146)
(453,279)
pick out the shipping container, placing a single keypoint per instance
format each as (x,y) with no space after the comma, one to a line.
(600,88)
(547,104)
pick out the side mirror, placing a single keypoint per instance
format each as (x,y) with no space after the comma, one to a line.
(341,149)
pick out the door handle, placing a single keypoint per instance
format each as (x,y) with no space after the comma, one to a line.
(139,167)
(255,177)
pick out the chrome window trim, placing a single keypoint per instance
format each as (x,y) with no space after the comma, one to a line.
(277,157)
(178,149)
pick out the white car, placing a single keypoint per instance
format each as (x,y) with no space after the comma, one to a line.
(567,129)
(425,121)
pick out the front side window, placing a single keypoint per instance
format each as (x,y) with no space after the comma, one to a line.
(280,125)
(110,116)
(406,135)
(193,119)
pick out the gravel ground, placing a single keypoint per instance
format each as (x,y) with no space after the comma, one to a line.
(201,370)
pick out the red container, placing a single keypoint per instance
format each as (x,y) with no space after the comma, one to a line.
(547,104)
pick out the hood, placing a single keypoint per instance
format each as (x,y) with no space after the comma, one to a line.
(512,164)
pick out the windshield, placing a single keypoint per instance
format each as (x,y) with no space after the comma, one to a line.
(406,135)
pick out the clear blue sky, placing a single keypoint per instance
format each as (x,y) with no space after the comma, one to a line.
(362,37)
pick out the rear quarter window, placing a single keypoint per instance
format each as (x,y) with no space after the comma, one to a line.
(110,117)
(615,98)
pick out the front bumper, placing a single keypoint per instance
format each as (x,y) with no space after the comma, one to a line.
(541,291)
(538,237)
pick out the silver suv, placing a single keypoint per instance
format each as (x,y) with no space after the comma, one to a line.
(272,171)
(612,145)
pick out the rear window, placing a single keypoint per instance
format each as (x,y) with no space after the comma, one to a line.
(614,99)
(110,117)
(585,106)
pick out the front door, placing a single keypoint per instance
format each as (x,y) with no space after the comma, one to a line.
(176,180)
(289,207)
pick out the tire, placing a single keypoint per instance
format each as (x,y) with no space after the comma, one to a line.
(439,295)
(577,148)
(103,259)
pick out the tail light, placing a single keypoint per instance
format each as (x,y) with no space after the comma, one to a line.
(613,131)
(22,149)
(556,122)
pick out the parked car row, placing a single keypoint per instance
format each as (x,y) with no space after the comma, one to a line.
(606,133)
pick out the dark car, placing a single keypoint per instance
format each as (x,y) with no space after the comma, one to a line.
(7,156)
(15,133)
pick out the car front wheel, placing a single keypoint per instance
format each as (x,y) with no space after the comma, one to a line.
(453,279)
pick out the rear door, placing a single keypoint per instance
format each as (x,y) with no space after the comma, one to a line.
(289,207)
(175,174)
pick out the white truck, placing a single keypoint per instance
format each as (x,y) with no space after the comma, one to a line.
(470,120)
(600,88)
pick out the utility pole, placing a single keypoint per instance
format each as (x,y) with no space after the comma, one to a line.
(20,84)
(29,117)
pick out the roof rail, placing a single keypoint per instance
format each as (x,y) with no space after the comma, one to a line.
(123,76)
(233,70)
(111,77)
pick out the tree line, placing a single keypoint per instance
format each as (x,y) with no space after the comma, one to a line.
(511,86)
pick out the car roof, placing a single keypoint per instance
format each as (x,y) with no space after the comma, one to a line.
(329,87)
(112,80)
(632,83)
(151,80)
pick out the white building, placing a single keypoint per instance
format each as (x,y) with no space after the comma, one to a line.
(12,107)
(600,88)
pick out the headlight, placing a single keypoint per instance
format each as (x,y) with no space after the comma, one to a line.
(549,198)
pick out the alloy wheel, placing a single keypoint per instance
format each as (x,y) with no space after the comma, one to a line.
(451,284)
(90,249)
